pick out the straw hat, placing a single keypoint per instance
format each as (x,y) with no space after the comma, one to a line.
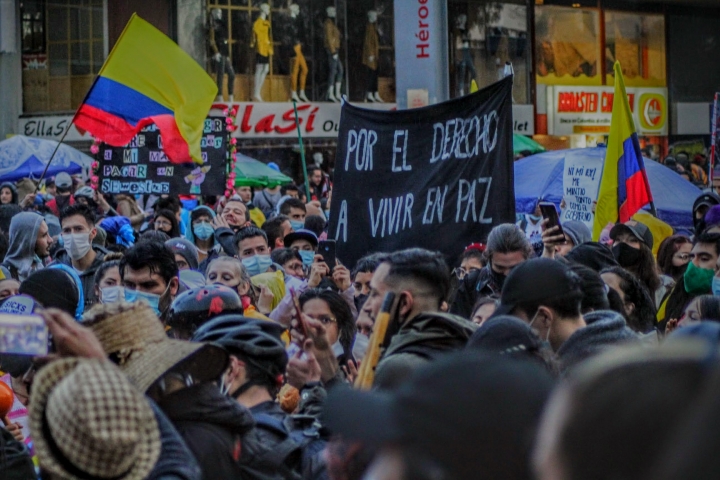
(135,340)
(88,421)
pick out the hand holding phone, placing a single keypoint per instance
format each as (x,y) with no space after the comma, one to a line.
(327,249)
(550,213)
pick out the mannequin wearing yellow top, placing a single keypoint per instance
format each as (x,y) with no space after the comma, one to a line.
(262,41)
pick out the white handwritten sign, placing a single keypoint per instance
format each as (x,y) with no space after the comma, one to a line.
(581,182)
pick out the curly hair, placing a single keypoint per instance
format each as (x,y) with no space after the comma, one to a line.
(340,309)
(642,318)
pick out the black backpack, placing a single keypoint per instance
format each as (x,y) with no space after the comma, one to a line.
(299,451)
(15,461)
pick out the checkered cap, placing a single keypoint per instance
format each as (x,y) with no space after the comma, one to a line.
(133,336)
(88,420)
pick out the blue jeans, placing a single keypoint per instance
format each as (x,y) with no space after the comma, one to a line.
(335,69)
(224,65)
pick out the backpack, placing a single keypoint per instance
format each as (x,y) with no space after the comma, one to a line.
(299,451)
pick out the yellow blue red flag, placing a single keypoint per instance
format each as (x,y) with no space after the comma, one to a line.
(624,188)
(148,79)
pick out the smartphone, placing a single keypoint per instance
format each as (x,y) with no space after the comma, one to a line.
(549,211)
(23,335)
(302,328)
(326,248)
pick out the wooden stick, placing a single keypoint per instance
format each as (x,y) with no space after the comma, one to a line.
(366,375)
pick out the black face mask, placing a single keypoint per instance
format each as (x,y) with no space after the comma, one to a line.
(360,301)
(498,279)
(626,255)
(678,272)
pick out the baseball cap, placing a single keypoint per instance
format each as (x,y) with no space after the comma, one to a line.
(534,281)
(63,181)
(505,335)
(301,234)
(639,230)
(436,414)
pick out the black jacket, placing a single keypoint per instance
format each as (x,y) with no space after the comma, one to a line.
(476,284)
(224,236)
(175,462)
(418,341)
(88,276)
(217,430)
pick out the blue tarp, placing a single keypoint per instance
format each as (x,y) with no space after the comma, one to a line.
(22,157)
(541,176)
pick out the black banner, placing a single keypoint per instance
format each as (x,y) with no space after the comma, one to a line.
(438,177)
(142,167)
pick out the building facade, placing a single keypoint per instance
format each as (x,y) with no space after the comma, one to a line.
(265,53)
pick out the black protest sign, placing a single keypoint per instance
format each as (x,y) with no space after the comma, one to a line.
(142,167)
(438,177)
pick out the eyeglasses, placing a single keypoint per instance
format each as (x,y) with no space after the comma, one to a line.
(163,223)
(682,256)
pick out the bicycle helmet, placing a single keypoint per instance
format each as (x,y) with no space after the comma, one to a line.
(84,192)
(195,307)
(258,341)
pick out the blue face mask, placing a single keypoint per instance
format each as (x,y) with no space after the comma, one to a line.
(257,264)
(297,224)
(716,286)
(307,257)
(203,231)
(150,298)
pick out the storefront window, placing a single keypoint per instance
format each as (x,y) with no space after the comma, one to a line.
(637,41)
(484,35)
(63,50)
(305,50)
(567,45)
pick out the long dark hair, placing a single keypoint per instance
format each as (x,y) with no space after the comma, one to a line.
(668,248)
(646,271)
(709,306)
(341,310)
(642,318)
(170,215)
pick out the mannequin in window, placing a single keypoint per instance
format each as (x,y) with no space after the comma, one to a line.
(332,46)
(298,66)
(371,50)
(465,62)
(220,52)
(262,42)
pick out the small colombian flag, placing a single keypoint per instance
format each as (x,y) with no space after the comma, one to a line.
(624,188)
(148,79)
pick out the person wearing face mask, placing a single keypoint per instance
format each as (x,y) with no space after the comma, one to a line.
(531,226)
(290,260)
(79,251)
(295,210)
(230,272)
(554,311)
(330,309)
(253,250)
(305,243)
(256,372)
(63,194)
(149,273)
(632,248)
(507,247)
(420,280)
(108,285)
(698,279)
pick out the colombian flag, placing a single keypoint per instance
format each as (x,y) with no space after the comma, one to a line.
(624,188)
(148,79)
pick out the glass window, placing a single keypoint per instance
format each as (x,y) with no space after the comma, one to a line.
(484,36)
(268,50)
(567,45)
(33,26)
(637,41)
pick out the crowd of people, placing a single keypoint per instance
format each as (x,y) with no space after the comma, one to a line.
(206,338)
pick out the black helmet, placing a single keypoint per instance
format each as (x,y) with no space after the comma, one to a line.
(195,307)
(257,340)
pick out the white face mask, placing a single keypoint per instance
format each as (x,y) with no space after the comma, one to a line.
(112,294)
(360,346)
(547,335)
(77,244)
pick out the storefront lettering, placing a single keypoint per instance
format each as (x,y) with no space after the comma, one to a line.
(43,128)
(267,123)
(588,102)
(423,34)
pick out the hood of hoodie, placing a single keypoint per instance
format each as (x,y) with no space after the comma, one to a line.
(194,213)
(204,403)
(12,188)
(440,331)
(604,329)
(23,235)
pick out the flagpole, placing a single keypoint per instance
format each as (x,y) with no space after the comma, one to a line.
(302,152)
(47,166)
